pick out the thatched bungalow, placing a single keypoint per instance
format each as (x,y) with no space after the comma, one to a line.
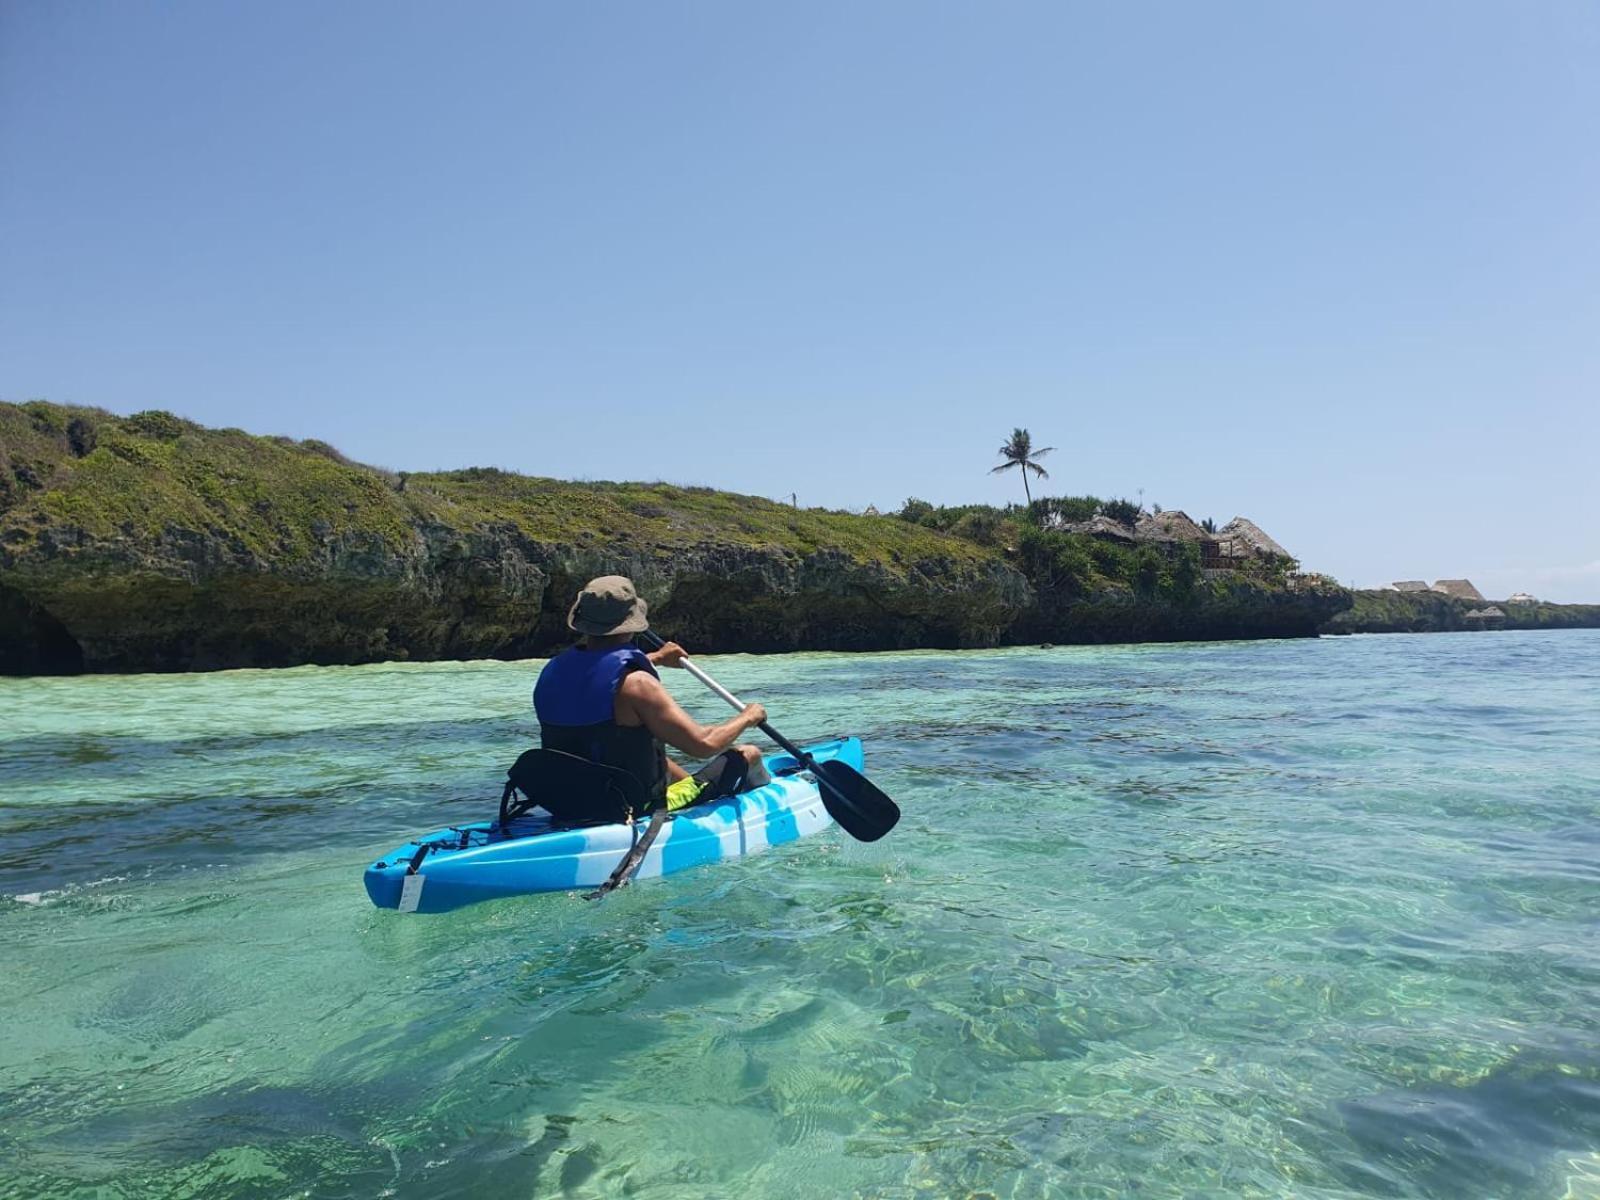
(1412,585)
(1485,618)
(1101,526)
(1169,525)
(1242,539)
(1461,589)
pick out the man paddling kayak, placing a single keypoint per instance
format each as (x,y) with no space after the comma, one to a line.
(603,701)
(604,717)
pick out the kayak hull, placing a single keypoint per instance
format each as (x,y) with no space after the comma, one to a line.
(476,862)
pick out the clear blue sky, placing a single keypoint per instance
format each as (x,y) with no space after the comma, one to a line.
(1333,266)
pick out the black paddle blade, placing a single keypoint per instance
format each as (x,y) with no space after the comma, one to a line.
(854,801)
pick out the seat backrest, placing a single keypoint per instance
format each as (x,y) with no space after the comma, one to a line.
(573,790)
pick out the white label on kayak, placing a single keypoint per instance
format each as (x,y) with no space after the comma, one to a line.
(411,893)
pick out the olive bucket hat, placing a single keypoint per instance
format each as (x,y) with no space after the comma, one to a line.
(609,605)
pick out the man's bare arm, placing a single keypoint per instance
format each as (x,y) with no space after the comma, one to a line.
(669,654)
(642,698)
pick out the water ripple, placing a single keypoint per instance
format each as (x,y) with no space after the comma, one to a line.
(1317,919)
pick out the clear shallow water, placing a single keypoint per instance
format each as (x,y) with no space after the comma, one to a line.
(1313,918)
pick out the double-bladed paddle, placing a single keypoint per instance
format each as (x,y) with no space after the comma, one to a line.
(858,806)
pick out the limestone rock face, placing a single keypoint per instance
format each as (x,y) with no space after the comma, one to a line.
(148,543)
(187,601)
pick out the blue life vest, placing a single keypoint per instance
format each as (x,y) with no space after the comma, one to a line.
(575,701)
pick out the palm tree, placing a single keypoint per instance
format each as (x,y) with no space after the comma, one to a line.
(1019,452)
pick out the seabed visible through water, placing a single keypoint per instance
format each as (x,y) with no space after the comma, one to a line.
(1313,919)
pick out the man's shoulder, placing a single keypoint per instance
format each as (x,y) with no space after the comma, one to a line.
(638,693)
(639,685)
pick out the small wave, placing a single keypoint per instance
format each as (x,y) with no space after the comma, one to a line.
(52,895)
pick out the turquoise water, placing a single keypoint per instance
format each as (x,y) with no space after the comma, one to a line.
(1261,919)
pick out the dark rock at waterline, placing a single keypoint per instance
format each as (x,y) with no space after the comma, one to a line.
(498,598)
(1226,611)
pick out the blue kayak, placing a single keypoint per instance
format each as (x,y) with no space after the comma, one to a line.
(468,863)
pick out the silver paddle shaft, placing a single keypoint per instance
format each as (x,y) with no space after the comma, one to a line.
(728,697)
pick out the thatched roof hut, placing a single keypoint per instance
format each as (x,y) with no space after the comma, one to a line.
(1243,538)
(1101,526)
(1412,585)
(1170,525)
(1485,618)
(1461,589)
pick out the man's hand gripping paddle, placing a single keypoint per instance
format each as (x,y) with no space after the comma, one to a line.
(858,806)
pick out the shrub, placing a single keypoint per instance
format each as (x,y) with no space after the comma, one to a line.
(1184,574)
(156,424)
(1050,511)
(980,526)
(1149,569)
(1111,560)
(44,417)
(1274,569)
(981,523)
(1055,561)
(317,446)
(1079,508)
(82,436)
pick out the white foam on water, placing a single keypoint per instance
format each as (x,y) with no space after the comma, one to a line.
(51,895)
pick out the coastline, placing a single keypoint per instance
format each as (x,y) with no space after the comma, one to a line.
(1381,610)
(150,543)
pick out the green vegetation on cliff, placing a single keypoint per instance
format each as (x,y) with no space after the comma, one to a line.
(151,542)
(135,478)
(1072,565)
(280,500)
(667,515)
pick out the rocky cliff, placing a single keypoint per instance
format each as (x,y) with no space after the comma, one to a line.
(151,543)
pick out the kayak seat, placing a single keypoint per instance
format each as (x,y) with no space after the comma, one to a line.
(571,789)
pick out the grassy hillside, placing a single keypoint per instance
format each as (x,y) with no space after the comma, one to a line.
(665,515)
(279,500)
(135,477)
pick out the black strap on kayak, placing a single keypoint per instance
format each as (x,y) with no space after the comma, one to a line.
(460,842)
(723,776)
(632,859)
(416,859)
(506,809)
